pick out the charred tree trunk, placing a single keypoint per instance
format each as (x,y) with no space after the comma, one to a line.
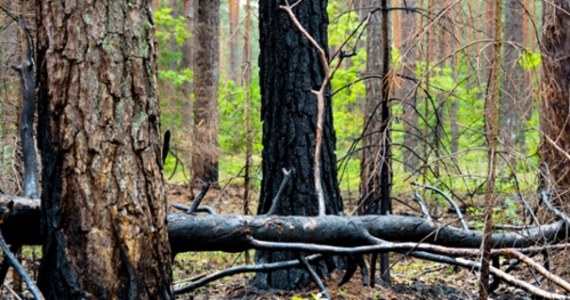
(103,202)
(205,150)
(290,69)
(554,105)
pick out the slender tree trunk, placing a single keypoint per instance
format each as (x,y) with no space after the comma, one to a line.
(189,11)
(514,84)
(555,104)
(103,202)
(375,167)
(205,150)
(247,81)
(492,131)
(289,69)
(408,94)
(234,26)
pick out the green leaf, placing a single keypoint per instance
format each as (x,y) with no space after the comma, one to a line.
(530,60)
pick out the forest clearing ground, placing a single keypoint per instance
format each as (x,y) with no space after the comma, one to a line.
(411,278)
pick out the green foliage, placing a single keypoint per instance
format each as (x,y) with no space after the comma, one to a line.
(530,60)
(169,29)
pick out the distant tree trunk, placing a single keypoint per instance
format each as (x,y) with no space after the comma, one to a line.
(189,12)
(234,25)
(247,80)
(205,150)
(375,164)
(555,103)
(514,84)
(103,202)
(289,69)
(408,50)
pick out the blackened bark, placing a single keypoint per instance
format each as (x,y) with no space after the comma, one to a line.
(290,69)
(103,202)
(206,58)
(554,105)
(26,71)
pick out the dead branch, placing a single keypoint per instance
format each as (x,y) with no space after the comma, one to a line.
(20,269)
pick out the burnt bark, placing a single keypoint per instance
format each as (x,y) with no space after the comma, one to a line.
(26,72)
(233,233)
(554,105)
(205,150)
(103,203)
(289,70)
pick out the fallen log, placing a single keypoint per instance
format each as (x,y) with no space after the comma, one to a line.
(232,233)
(20,221)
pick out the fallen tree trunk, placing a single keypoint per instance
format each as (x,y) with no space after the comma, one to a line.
(232,233)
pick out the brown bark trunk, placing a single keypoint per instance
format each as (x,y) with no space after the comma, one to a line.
(189,12)
(408,94)
(205,150)
(103,202)
(234,25)
(554,105)
(514,91)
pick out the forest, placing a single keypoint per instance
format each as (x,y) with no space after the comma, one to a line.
(285,149)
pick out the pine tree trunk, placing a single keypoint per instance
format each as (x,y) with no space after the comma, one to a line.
(103,203)
(205,150)
(514,86)
(554,105)
(234,25)
(290,68)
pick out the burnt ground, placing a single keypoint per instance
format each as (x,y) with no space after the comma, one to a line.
(411,278)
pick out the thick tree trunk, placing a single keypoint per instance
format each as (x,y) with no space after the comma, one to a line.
(290,69)
(205,150)
(103,201)
(554,105)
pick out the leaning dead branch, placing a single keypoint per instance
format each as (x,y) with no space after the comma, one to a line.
(26,71)
(449,200)
(13,260)
(267,267)
(320,94)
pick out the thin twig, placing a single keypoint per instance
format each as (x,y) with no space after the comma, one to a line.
(315,277)
(423,206)
(449,200)
(20,269)
(275,202)
(199,198)
(267,267)
(554,210)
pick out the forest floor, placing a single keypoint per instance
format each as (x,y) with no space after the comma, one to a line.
(411,278)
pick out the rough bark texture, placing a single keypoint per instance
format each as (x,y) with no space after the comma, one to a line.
(103,202)
(206,57)
(290,69)
(374,166)
(554,105)
(514,87)
(231,233)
